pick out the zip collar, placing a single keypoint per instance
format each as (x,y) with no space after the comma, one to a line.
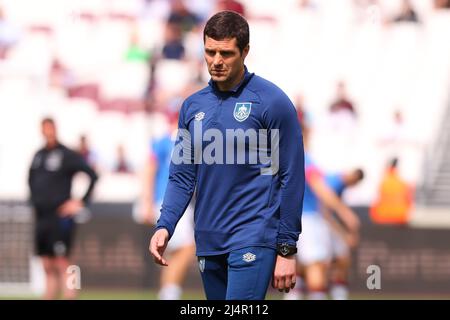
(236,88)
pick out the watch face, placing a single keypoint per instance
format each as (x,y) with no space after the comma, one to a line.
(284,250)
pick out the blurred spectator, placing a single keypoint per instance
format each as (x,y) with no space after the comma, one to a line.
(135,52)
(395,135)
(442,4)
(342,115)
(300,107)
(342,103)
(231,5)
(407,14)
(395,199)
(173,46)
(122,165)
(181,16)
(86,152)
(60,76)
(9,34)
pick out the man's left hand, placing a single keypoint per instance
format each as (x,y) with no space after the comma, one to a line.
(284,274)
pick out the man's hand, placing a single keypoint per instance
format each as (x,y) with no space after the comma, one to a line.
(70,208)
(284,274)
(158,244)
(351,239)
(350,220)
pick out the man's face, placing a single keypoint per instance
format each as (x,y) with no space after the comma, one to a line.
(224,60)
(49,132)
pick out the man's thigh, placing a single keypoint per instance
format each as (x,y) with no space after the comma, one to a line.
(249,273)
(214,273)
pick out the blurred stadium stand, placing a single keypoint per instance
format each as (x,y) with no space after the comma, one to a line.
(73,60)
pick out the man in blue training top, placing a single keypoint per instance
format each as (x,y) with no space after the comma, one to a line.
(240,148)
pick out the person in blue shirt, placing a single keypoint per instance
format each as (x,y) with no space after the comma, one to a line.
(342,239)
(155,177)
(247,213)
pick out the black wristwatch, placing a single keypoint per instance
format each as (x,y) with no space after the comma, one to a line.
(285,250)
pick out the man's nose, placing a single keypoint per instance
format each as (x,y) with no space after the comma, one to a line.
(218,60)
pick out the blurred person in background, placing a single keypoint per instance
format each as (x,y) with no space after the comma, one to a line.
(442,4)
(342,102)
(315,240)
(181,16)
(86,152)
(50,179)
(60,76)
(407,13)
(181,248)
(395,198)
(342,114)
(300,107)
(122,165)
(135,51)
(342,240)
(173,47)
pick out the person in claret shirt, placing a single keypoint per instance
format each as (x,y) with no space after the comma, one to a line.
(315,241)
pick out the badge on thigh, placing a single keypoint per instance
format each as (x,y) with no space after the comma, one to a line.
(249,257)
(201,264)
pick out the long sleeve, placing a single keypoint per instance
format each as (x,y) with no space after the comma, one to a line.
(281,115)
(78,164)
(30,180)
(182,179)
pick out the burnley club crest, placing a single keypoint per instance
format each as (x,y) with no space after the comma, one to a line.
(242,110)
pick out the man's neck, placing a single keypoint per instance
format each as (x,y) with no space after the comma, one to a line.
(230,85)
(51,145)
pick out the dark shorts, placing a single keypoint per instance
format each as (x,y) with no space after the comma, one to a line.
(54,236)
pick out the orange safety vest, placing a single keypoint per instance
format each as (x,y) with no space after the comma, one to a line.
(394,202)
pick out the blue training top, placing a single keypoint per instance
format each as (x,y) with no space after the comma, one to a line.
(236,205)
(310,201)
(335,182)
(161,150)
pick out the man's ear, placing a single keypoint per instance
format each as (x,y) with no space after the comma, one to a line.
(245,52)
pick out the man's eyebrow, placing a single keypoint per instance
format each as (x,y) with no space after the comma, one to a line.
(220,50)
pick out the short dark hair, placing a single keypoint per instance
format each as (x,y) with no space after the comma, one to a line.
(47,120)
(359,173)
(393,163)
(228,25)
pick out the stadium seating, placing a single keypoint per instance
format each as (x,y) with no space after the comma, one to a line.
(304,51)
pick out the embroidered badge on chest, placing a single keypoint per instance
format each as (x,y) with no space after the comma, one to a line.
(242,110)
(199,116)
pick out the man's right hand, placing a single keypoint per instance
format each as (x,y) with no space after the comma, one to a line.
(158,244)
